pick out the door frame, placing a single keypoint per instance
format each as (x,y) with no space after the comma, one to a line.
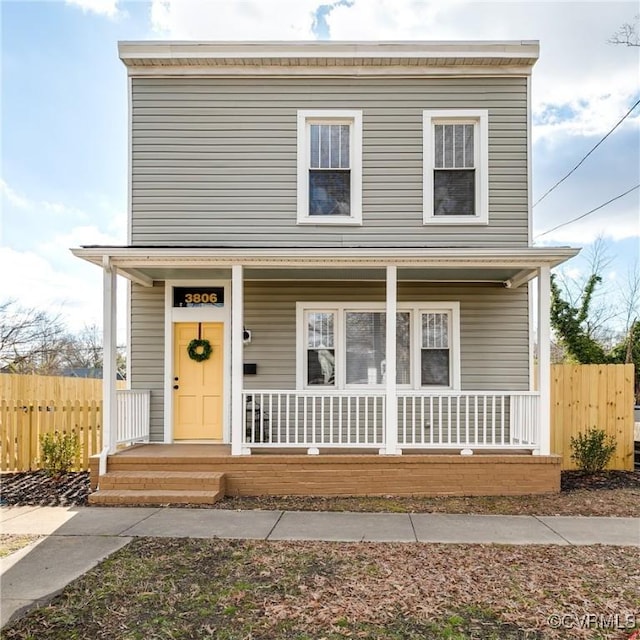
(198,314)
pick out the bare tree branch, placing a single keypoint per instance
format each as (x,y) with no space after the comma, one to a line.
(628,34)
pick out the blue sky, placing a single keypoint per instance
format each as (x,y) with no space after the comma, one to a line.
(64,117)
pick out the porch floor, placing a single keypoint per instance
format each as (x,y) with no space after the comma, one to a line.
(348,472)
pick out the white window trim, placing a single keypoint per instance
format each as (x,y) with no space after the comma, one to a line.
(339,308)
(480,119)
(331,116)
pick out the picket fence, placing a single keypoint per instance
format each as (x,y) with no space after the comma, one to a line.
(22,424)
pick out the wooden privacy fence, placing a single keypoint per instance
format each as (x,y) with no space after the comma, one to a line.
(57,388)
(592,395)
(23,422)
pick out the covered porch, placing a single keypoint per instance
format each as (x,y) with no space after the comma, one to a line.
(388,419)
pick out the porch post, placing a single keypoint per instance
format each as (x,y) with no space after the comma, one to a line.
(391,417)
(237,369)
(109,343)
(544,359)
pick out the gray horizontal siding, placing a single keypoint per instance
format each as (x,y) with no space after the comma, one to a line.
(147,349)
(493,325)
(214,160)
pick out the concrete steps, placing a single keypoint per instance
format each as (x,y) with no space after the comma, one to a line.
(159,487)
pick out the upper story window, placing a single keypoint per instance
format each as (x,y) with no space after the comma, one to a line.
(456,168)
(330,167)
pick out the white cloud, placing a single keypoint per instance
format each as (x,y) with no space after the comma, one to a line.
(234,19)
(75,293)
(28,204)
(43,287)
(12,196)
(107,8)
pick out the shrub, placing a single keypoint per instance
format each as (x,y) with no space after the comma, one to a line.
(59,452)
(592,450)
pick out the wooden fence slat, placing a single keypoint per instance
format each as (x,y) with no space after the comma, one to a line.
(22,424)
(586,396)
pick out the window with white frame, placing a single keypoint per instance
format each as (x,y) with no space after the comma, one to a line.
(455,166)
(342,346)
(435,353)
(320,348)
(330,167)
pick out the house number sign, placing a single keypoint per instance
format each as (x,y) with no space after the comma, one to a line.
(198,296)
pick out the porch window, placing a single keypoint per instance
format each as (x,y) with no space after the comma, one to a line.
(455,171)
(366,335)
(329,167)
(343,346)
(321,353)
(435,355)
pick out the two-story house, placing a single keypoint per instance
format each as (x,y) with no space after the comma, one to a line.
(330,253)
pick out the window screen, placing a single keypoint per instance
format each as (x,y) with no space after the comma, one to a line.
(435,352)
(321,354)
(329,169)
(454,175)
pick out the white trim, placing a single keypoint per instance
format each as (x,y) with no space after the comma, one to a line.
(173,315)
(110,341)
(421,69)
(529,167)
(237,367)
(382,49)
(129,329)
(544,360)
(129,160)
(480,119)
(391,407)
(321,58)
(414,307)
(532,342)
(140,257)
(352,117)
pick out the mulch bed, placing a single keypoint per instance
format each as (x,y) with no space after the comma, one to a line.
(36,488)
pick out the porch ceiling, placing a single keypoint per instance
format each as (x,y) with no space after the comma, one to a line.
(507,267)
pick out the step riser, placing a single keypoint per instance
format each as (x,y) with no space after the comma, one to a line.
(160,466)
(123,499)
(136,485)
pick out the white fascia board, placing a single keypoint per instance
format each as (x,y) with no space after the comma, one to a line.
(176,50)
(329,58)
(125,258)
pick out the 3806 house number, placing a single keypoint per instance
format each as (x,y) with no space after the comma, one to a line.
(201,298)
(198,296)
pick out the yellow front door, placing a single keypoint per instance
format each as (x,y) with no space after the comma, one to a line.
(198,386)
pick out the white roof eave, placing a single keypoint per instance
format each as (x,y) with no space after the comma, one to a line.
(132,261)
(142,57)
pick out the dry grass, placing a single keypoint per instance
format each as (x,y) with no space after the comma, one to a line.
(10,543)
(603,502)
(230,590)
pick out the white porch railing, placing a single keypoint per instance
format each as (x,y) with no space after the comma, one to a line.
(307,419)
(132,416)
(450,419)
(468,420)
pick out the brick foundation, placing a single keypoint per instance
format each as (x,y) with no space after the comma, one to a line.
(362,474)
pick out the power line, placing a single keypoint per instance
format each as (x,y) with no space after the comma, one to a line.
(557,184)
(584,215)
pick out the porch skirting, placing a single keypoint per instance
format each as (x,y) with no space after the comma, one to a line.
(359,474)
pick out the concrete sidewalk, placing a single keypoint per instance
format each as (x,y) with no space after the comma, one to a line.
(78,538)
